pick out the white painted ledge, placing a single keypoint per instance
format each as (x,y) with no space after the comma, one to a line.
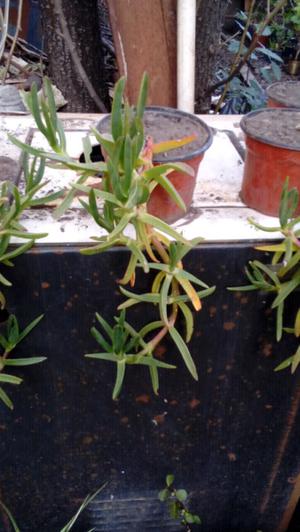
(217,213)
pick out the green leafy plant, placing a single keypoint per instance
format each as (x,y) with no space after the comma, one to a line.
(120,208)
(12,205)
(295,17)
(8,342)
(177,501)
(282,276)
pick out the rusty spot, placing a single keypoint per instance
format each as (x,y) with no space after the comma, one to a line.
(87,440)
(173,402)
(47,418)
(232,457)
(159,419)
(160,351)
(144,398)
(194,403)
(45,285)
(267,350)
(124,420)
(228,325)
(212,311)
(238,295)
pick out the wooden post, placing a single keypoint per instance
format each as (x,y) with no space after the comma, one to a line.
(145,40)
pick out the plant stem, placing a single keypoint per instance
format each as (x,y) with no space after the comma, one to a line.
(266,21)
(160,249)
(237,57)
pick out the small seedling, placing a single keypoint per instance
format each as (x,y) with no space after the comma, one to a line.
(176,500)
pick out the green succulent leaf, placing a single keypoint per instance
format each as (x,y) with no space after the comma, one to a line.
(185,353)
(5,399)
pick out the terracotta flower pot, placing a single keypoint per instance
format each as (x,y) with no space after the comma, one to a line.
(272,154)
(164,123)
(284,94)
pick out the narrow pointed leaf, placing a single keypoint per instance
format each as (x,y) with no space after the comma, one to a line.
(121,366)
(11,379)
(29,327)
(160,147)
(185,353)
(6,400)
(23,361)
(162,226)
(100,339)
(189,320)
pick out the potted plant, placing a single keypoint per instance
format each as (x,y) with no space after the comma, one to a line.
(284,94)
(178,137)
(272,153)
(208,431)
(129,177)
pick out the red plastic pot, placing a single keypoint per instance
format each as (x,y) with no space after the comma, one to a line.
(284,94)
(165,123)
(268,162)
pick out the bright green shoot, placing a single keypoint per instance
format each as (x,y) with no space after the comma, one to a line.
(282,277)
(8,342)
(119,206)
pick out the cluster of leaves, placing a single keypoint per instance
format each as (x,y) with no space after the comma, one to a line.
(282,277)
(8,341)
(12,204)
(120,208)
(247,95)
(177,503)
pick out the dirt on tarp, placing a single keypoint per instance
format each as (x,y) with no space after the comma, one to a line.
(280,127)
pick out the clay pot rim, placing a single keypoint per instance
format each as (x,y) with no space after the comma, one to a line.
(260,138)
(273,86)
(177,112)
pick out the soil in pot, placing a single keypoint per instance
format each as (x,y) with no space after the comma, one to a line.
(273,153)
(163,124)
(284,94)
